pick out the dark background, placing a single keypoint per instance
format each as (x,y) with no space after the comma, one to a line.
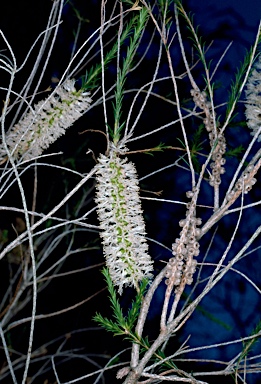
(232,310)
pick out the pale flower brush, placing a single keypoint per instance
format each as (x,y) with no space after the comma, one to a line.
(44,124)
(121,221)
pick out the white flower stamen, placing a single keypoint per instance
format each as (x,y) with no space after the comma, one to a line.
(120,215)
(253,97)
(40,127)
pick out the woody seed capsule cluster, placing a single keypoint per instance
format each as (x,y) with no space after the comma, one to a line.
(182,265)
(245,182)
(121,221)
(215,138)
(49,119)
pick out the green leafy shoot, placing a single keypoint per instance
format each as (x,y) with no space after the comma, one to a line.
(77,13)
(121,325)
(168,364)
(158,148)
(107,324)
(158,356)
(145,344)
(115,305)
(235,152)
(197,41)
(139,24)
(3,237)
(248,345)
(235,90)
(135,308)
(164,7)
(91,77)
(184,146)
(197,146)
(197,139)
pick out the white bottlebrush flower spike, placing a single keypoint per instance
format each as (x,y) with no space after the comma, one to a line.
(253,97)
(47,122)
(121,221)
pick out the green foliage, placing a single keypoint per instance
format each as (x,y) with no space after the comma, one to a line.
(77,13)
(158,148)
(158,356)
(3,236)
(92,76)
(121,325)
(248,345)
(168,364)
(195,37)
(135,308)
(235,90)
(164,7)
(236,152)
(197,146)
(139,23)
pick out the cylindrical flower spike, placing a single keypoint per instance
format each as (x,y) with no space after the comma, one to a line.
(253,98)
(40,127)
(121,221)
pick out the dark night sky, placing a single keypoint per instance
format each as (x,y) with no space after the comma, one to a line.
(222,21)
